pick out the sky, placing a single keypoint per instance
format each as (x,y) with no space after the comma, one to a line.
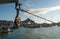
(49,9)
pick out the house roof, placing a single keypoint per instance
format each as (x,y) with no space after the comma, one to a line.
(27,20)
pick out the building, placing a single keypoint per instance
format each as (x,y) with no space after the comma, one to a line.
(5,25)
(29,23)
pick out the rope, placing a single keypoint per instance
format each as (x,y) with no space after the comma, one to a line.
(36,15)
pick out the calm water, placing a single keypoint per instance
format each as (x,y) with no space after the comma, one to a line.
(33,33)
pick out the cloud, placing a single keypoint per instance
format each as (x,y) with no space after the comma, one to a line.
(44,10)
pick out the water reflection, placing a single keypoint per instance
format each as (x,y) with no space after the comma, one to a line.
(33,33)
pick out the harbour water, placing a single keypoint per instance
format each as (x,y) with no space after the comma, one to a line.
(33,33)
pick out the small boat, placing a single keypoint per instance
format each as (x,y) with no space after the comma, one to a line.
(9,29)
(6,30)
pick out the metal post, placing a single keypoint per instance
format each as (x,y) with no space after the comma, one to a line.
(17,18)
